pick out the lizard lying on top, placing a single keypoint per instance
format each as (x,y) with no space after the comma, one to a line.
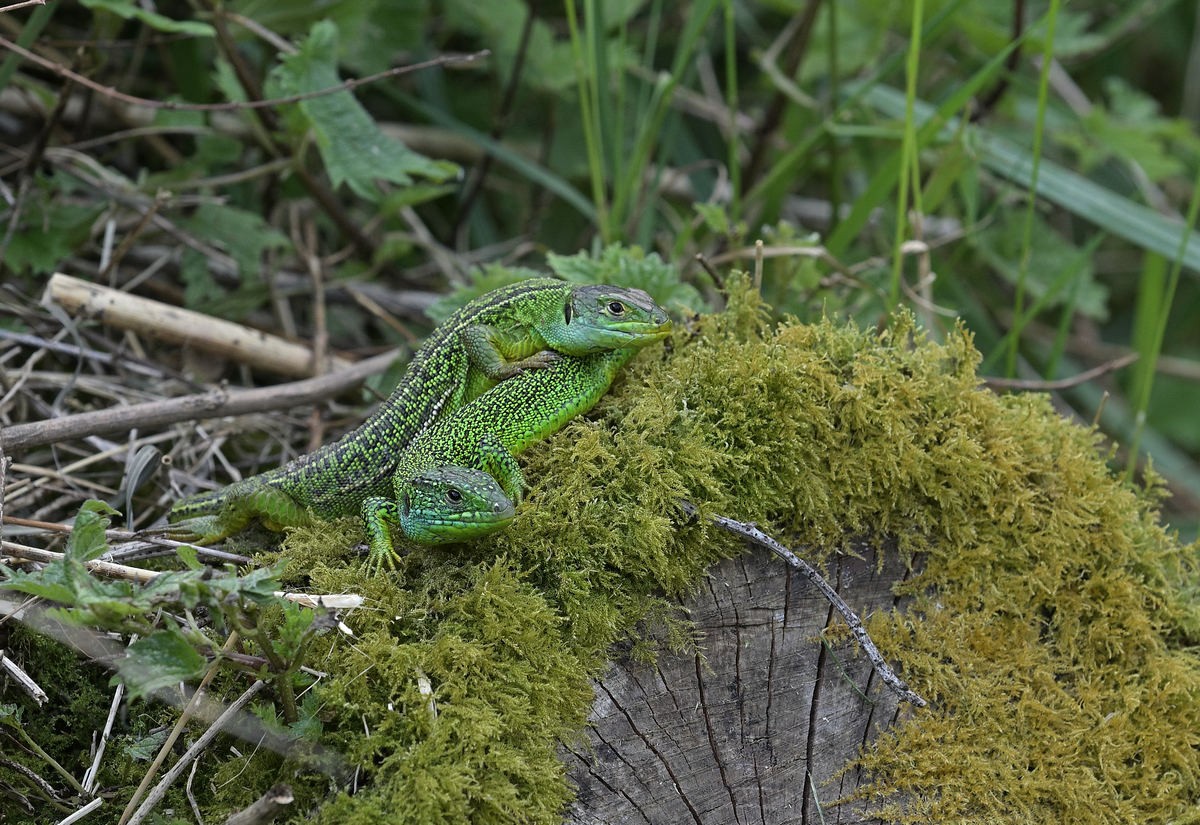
(485,435)
(526,326)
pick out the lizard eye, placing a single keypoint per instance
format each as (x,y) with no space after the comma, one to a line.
(616,307)
(453,496)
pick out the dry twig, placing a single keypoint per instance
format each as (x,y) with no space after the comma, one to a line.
(751,532)
(212,404)
(160,790)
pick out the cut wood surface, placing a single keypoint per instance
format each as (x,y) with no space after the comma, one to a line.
(758,727)
(182,326)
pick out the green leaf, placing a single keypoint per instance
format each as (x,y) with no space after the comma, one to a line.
(187,554)
(629,266)
(128,11)
(355,151)
(1138,224)
(144,748)
(160,660)
(47,233)
(87,539)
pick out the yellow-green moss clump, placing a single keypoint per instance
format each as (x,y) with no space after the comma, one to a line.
(1047,627)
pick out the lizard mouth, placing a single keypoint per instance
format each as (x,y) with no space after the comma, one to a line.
(644,331)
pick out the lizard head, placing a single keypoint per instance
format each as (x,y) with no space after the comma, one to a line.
(600,317)
(448,504)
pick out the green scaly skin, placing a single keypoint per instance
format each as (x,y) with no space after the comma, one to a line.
(504,333)
(486,435)
(446,500)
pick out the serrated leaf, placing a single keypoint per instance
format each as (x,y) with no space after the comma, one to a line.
(87,539)
(355,151)
(187,554)
(50,583)
(160,660)
(629,266)
(47,233)
(144,749)
(128,11)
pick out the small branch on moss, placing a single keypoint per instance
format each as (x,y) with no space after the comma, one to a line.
(214,404)
(265,808)
(82,812)
(155,796)
(1038,385)
(751,532)
(23,679)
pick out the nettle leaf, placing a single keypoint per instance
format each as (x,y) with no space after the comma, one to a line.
(160,660)
(127,10)
(354,149)
(47,233)
(144,748)
(244,235)
(87,539)
(296,622)
(629,266)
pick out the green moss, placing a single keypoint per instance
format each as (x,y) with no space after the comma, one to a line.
(1048,626)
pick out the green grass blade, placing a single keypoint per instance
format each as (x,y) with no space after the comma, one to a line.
(535,172)
(1102,207)
(908,151)
(1031,200)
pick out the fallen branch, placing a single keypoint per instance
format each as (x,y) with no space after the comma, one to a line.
(212,404)
(160,790)
(1039,385)
(23,679)
(183,326)
(751,532)
(265,808)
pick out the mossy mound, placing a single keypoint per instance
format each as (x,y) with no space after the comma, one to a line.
(1048,628)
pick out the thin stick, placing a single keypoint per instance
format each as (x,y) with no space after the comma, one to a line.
(344,86)
(23,679)
(21,5)
(1061,383)
(213,404)
(82,812)
(160,790)
(265,808)
(89,778)
(751,532)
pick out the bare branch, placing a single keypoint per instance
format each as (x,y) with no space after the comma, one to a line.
(190,407)
(1061,383)
(345,86)
(751,532)
(160,790)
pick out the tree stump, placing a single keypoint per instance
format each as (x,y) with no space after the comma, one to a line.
(756,727)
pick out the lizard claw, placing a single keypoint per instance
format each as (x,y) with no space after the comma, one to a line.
(537,361)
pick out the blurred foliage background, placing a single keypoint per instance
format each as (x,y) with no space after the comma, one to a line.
(1028,167)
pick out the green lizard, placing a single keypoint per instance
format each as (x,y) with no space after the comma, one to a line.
(486,434)
(525,326)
